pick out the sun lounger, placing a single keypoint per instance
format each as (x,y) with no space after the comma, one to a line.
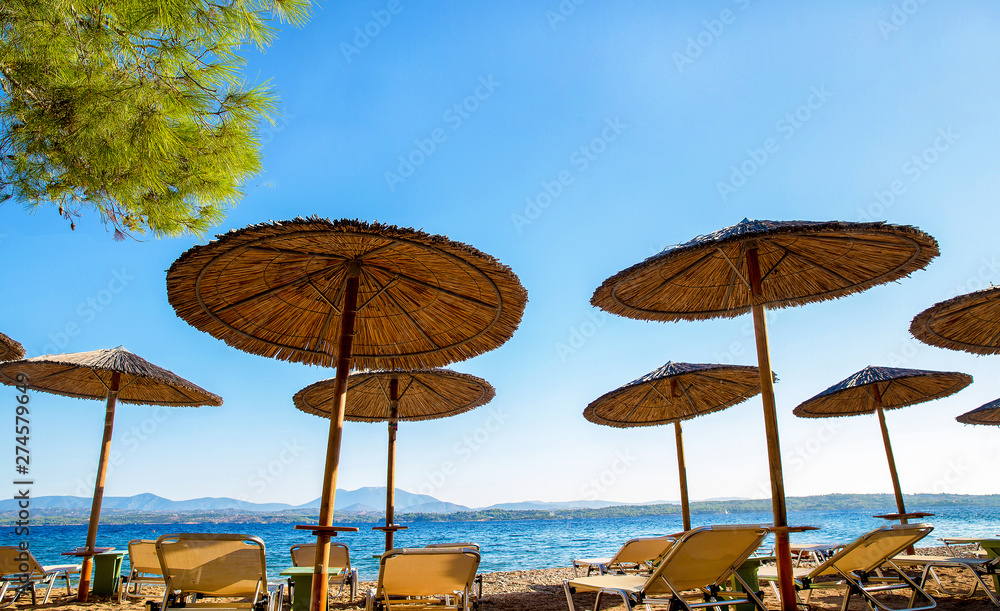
(199,565)
(864,567)
(636,556)
(978,567)
(692,574)
(144,571)
(419,578)
(20,572)
(341,573)
(951,542)
(477,583)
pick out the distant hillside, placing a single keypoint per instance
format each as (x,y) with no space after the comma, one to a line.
(144,502)
(48,511)
(550,506)
(436,507)
(362,499)
(373,496)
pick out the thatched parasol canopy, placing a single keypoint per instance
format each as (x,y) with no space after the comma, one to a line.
(759,264)
(876,389)
(394,395)
(423,395)
(114,375)
(87,375)
(984,414)
(10,349)
(675,392)
(346,294)
(896,388)
(969,322)
(276,290)
(670,394)
(800,262)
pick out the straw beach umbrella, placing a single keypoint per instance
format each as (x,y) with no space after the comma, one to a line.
(670,394)
(766,264)
(115,375)
(984,414)
(391,396)
(969,322)
(10,350)
(876,389)
(346,293)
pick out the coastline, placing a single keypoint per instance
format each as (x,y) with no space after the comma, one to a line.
(542,590)
(51,516)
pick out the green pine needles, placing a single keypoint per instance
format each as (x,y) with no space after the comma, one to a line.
(136,108)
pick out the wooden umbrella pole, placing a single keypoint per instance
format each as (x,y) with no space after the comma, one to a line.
(390,484)
(877,396)
(782,552)
(888,452)
(317,600)
(83,591)
(682,473)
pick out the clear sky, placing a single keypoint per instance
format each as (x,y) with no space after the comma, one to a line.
(569,140)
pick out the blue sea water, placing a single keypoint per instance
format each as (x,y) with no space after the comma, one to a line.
(506,545)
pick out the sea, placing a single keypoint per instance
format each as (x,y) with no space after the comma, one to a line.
(506,545)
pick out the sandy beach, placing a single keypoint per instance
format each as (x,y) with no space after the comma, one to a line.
(541,590)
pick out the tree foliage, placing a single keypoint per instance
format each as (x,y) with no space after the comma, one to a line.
(135,108)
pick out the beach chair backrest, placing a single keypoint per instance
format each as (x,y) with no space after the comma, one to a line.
(427,571)
(142,556)
(872,549)
(646,549)
(468,544)
(704,556)
(213,564)
(304,554)
(15,560)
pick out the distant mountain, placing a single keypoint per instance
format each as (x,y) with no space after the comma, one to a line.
(550,506)
(370,499)
(359,508)
(144,502)
(373,496)
(436,507)
(360,500)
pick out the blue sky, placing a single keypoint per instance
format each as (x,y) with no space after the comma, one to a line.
(569,140)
